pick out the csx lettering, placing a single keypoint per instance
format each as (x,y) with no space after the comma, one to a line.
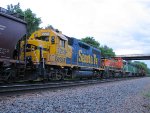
(87,58)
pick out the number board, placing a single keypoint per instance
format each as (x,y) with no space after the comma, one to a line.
(45,34)
(60,59)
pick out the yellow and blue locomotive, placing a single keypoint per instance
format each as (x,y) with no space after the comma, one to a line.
(52,55)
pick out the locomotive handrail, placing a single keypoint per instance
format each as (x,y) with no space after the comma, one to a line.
(35,56)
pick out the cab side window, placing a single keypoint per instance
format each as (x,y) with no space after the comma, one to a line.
(53,40)
(62,43)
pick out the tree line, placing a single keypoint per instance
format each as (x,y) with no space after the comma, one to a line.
(32,20)
(105,50)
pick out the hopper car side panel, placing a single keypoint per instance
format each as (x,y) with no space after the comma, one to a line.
(11,30)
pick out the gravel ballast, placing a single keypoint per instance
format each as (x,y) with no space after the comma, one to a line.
(115,97)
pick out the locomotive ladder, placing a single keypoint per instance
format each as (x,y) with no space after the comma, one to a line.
(35,56)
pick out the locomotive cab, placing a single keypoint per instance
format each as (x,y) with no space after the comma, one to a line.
(47,50)
(49,45)
(36,48)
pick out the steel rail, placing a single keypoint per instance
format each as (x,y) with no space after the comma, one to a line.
(48,85)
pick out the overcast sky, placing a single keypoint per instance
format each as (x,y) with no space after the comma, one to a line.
(123,25)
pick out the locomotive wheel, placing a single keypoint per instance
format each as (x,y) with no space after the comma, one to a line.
(56,75)
(106,73)
(120,75)
(110,75)
(113,74)
(59,76)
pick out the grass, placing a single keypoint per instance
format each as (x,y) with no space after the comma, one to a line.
(147,94)
(148,75)
(146,104)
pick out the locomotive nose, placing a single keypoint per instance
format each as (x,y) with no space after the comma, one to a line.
(36,49)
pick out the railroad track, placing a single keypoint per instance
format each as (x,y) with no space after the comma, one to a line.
(25,87)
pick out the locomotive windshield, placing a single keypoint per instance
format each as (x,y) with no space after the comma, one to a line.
(43,38)
(30,48)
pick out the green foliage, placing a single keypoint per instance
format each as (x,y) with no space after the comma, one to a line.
(15,8)
(148,71)
(91,41)
(33,22)
(147,94)
(105,50)
(49,27)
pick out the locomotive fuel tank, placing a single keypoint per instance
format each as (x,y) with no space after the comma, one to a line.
(11,30)
(83,73)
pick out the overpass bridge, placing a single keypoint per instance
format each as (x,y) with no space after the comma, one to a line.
(135,56)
